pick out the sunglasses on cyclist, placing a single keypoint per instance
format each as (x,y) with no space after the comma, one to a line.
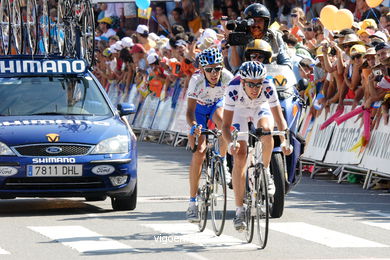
(226,47)
(256,56)
(210,70)
(253,85)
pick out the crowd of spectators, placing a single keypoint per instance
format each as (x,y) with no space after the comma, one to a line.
(153,53)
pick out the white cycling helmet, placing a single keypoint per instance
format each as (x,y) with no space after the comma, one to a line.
(252,70)
(210,56)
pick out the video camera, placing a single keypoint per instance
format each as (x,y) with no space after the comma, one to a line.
(241,34)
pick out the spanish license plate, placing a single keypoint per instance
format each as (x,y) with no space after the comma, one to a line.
(55,170)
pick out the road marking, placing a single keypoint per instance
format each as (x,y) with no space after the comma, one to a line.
(3,252)
(385,225)
(322,236)
(189,233)
(82,239)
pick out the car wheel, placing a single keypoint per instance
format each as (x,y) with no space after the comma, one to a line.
(125,202)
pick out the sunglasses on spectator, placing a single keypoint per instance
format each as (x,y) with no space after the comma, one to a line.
(216,69)
(294,15)
(308,29)
(357,56)
(256,56)
(253,85)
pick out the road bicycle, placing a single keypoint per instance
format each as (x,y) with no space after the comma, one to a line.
(5,27)
(256,199)
(212,188)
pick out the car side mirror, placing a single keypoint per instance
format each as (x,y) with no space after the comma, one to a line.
(126,109)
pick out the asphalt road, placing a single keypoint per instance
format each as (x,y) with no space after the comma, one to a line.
(322,220)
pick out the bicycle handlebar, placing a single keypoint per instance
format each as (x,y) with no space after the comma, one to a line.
(215,133)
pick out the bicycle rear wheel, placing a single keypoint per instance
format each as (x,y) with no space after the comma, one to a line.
(203,197)
(32,26)
(5,27)
(249,217)
(218,197)
(262,207)
(60,26)
(88,34)
(17,26)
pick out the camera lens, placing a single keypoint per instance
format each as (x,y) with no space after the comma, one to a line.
(251,22)
(231,25)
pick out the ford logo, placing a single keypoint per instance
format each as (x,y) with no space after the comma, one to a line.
(53,149)
(103,169)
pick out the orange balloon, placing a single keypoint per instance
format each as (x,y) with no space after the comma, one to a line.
(344,19)
(373,3)
(328,16)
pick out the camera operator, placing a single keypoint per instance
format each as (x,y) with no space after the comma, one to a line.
(258,20)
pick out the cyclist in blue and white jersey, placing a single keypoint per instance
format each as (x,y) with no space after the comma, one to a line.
(251,96)
(206,91)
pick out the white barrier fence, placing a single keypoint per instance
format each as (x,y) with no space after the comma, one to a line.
(333,147)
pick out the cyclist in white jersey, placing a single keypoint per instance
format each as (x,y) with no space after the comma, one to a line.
(251,96)
(206,91)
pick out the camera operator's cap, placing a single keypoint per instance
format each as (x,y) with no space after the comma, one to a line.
(379,35)
(106,20)
(351,39)
(370,51)
(369,23)
(381,46)
(137,48)
(127,42)
(357,49)
(152,58)
(142,29)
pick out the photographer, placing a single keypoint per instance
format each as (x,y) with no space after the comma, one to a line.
(258,22)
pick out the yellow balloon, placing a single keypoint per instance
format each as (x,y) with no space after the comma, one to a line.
(344,19)
(373,3)
(328,16)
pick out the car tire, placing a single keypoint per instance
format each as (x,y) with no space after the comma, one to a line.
(96,198)
(125,202)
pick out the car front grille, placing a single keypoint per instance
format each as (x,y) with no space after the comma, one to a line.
(53,183)
(41,150)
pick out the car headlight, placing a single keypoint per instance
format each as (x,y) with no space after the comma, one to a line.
(117,144)
(4,149)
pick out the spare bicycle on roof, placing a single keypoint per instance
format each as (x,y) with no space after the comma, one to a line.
(29,27)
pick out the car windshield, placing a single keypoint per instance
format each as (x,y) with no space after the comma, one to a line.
(27,96)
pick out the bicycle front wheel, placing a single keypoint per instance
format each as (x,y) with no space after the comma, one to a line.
(203,197)
(17,27)
(5,27)
(218,197)
(88,34)
(262,207)
(249,209)
(32,26)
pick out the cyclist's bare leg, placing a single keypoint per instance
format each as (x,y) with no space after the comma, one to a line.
(196,165)
(217,119)
(268,142)
(239,168)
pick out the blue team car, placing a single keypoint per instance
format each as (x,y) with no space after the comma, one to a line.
(60,136)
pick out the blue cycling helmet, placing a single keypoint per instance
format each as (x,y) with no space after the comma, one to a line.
(252,70)
(210,56)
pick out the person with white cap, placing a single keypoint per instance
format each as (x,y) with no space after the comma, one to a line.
(142,34)
(127,42)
